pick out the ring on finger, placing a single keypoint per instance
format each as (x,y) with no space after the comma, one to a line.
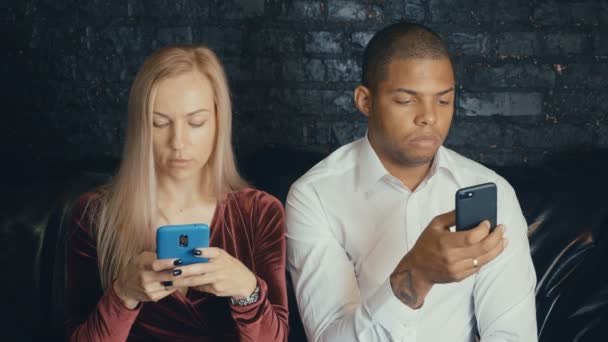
(167,284)
(475,263)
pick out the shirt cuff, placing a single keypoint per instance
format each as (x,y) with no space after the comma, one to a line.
(385,309)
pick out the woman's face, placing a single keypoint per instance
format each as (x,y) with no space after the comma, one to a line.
(184,126)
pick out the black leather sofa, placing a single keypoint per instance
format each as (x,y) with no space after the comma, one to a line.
(564,200)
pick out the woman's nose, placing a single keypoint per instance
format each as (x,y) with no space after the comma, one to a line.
(178,140)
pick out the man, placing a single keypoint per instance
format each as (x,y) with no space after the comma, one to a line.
(370,249)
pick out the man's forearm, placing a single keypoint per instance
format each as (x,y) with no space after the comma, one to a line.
(408,286)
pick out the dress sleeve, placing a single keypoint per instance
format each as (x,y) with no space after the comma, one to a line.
(266,319)
(92,314)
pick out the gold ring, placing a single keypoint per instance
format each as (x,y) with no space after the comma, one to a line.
(475,263)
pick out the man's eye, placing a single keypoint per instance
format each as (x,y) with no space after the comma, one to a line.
(443,102)
(404,101)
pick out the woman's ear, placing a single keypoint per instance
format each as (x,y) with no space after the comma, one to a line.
(363,99)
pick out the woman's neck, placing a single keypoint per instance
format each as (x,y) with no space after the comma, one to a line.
(181,194)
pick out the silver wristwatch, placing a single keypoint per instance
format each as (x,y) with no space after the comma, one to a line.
(249,300)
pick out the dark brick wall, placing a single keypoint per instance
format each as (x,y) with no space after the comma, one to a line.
(532,74)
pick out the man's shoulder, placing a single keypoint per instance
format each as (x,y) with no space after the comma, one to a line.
(340,162)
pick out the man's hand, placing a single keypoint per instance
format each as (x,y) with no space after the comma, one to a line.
(440,256)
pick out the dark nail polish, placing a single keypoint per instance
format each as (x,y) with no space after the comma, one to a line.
(177,272)
(166,283)
(177,262)
(196,252)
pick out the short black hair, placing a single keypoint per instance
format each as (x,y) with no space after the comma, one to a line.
(401,40)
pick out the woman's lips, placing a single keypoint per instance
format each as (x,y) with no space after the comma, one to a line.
(179,162)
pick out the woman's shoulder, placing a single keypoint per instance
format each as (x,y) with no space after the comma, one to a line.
(86,201)
(251,195)
(260,211)
(83,210)
(258,201)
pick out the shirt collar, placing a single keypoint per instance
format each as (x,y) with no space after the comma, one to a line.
(443,161)
(370,169)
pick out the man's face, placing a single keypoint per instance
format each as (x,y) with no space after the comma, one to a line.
(411,110)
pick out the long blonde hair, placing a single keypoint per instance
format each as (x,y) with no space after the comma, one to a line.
(126,210)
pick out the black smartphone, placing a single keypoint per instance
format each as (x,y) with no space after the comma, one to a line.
(475,204)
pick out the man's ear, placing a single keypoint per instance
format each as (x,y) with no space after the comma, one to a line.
(363,99)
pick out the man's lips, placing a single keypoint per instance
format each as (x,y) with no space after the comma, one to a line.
(426,140)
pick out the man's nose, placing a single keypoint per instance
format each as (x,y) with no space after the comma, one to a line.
(428,116)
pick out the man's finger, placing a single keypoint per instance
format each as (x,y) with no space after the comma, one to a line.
(486,244)
(444,221)
(468,238)
(491,255)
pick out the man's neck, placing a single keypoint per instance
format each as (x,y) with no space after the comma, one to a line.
(410,176)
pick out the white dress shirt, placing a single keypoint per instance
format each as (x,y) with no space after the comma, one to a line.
(349,223)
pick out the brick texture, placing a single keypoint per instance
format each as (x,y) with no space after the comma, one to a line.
(531,74)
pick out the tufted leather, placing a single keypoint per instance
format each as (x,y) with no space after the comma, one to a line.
(564,202)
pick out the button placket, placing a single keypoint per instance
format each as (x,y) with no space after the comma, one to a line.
(411,221)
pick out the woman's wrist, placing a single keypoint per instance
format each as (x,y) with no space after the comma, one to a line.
(248,289)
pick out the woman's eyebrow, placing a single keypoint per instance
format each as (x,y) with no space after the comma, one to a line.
(188,114)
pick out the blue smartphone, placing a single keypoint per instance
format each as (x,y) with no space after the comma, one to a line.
(475,204)
(178,241)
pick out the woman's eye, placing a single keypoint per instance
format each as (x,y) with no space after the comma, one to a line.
(443,102)
(196,124)
(161,124)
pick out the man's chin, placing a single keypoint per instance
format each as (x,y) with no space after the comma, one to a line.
(415,159)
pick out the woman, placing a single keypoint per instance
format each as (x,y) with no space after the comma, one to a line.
(177,168)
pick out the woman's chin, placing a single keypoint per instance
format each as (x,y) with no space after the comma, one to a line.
(181,173)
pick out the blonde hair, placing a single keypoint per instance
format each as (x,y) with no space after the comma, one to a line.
(126,210)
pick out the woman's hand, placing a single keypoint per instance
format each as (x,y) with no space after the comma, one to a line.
(145,279)
(222,275)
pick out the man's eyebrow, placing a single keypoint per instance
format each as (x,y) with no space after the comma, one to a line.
(413,92)
(443,92)
(189,114)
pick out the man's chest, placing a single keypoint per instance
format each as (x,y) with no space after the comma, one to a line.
(378,230)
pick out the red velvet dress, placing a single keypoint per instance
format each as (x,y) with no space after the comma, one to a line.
(248,224)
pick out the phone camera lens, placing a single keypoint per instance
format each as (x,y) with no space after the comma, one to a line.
(183,240)
(470,194)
